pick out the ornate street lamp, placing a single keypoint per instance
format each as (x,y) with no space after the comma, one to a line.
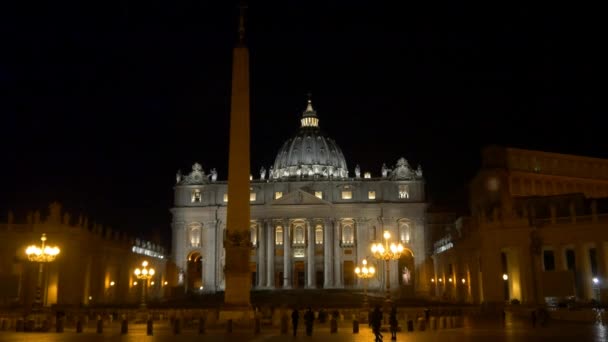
(364,272)
(41,254)
(145,274)
(387,252)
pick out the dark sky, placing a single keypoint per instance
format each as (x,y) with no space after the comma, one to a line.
(102,102)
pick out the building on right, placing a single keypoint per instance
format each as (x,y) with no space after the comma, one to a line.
(537,232)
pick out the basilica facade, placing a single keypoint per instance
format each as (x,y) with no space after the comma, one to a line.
(312,221)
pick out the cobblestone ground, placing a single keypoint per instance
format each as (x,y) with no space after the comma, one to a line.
(478,330)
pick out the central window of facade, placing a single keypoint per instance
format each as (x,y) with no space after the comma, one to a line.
(404,233)
(347,194)
(319,194)
(298,235)
(195,235)
(319,235)
(278,194)
(404,191)
(252,196)
(371,194)
(348,235)
(278,236)
(196,196)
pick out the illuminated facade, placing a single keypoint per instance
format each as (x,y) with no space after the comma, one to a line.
(537,231)
(311,222)
(95,265)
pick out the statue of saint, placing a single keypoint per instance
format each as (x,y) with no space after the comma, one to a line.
(357,171)
(271,172)
(213,175)
(262,173)
(419,171)
(178,176)
(384,170)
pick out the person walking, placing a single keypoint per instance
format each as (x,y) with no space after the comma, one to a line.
(377,323)
(309,319)
(392,320)
(295,317)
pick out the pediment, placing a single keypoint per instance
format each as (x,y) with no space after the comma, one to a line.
(299,197)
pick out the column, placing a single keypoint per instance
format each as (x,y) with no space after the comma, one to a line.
(328,274)
(287,255)
(270,251)
(209,238)
(336,227)
(310,255)
(261,253)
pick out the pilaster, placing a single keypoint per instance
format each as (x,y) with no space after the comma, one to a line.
(328,274)
(310,255)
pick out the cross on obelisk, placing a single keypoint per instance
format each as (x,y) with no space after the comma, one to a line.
(237,241)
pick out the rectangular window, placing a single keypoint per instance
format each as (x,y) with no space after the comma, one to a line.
(225,197)
(196,196)
(319,194)
(371,194)
(347,194)
(252,196)
(278,236)
(404,191)
(593,261)
(367,175)
(278,194)
(549,260)
(570,260)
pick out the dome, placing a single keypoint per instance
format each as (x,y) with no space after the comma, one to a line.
(309,154)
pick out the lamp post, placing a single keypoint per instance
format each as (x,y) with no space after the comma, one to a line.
(387,252)
(41,254)
(144,274)
(364,272)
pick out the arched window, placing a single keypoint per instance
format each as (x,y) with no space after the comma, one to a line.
(348,234)
(404,191)
(319,235)
(298,235)
(278,236)
(404,233)
(194,235)
(254,235)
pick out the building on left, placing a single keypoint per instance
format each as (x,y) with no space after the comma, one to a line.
(95,266)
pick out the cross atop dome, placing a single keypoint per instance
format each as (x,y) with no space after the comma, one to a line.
(309,116)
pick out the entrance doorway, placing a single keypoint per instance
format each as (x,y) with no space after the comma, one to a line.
(299,277)
(349,274)
(194,271)
(406,274)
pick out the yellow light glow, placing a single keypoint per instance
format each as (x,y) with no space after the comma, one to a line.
(364,262)
(151,272)
(357,270)
(450,280)
(463,281)
(134,283)
(144,271)
(166,282)
(432,280)
(151,283)
(137,271)
(144,264)
(505,277)
(372,270)
(386,234)
(440,280)
(112,283)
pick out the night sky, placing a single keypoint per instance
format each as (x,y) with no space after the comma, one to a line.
(102,102)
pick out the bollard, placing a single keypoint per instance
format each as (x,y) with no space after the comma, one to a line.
(78,326)
(59,325)
(177,326)
(99,326)
(433,323)
(201,326)
(355,326)
(442,322)
(410,325)
(124,327)
(149,330)
(284,325)
(421,323)
(257,328)
(333,326)
(229,326)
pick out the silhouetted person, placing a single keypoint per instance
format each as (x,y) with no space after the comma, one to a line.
(322,316)
(309,319)
(295,317)
(392,320)
(377,323)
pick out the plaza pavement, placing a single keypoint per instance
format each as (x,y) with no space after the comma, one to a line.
(479,330)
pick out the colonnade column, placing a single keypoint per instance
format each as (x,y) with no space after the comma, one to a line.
(336,227)
(270,251)
(328,266)
(261,253)
(310,258)
(287,255)
(210,262)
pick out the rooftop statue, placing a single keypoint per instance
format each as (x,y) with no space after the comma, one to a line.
(357,171)
(262,173)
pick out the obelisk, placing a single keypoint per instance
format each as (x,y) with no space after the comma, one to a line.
(237,242)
